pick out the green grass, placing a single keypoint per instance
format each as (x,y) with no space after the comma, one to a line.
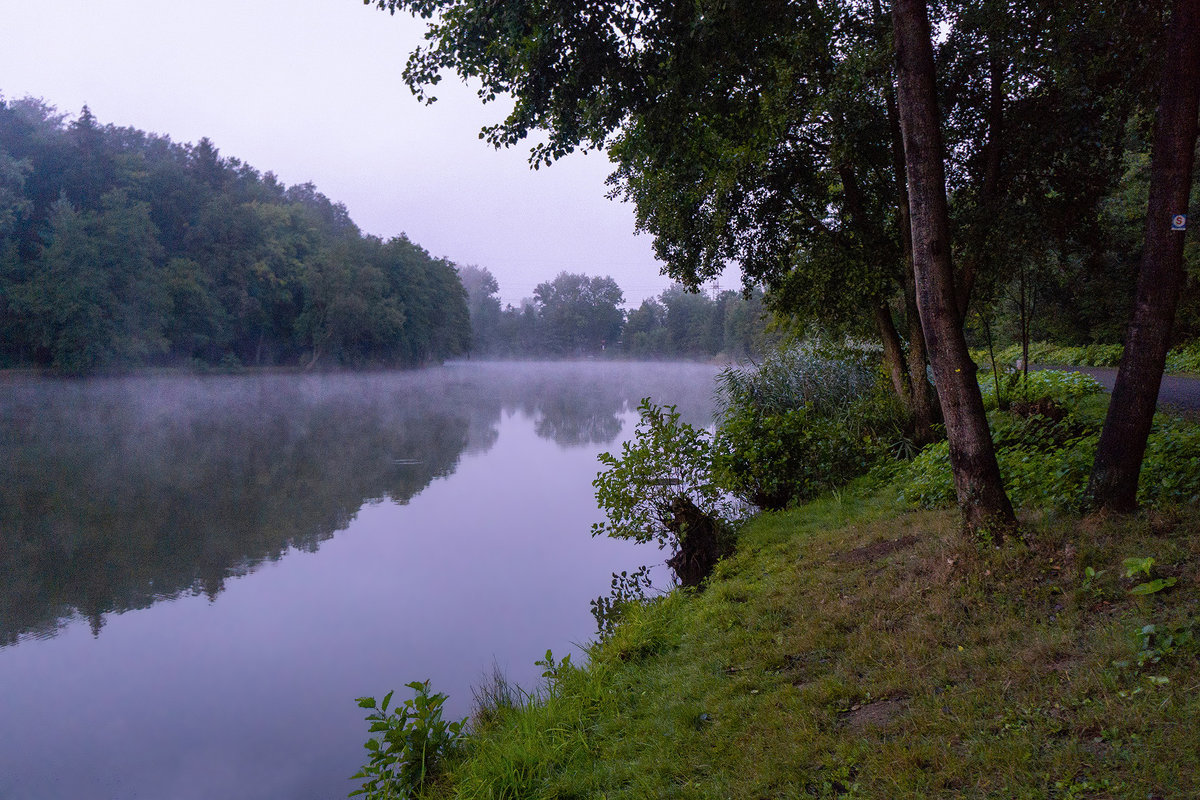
(854,649)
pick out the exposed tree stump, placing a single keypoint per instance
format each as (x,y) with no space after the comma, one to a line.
(699,540)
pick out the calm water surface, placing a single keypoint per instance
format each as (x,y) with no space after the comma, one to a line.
(199,575)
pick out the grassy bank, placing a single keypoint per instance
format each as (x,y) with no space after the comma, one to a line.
(854,649)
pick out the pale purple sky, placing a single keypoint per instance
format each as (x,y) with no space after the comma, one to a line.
(312,90)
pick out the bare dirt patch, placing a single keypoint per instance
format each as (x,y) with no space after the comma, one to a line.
(874,715)
(876,550)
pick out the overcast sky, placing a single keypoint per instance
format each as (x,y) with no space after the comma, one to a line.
(312,90)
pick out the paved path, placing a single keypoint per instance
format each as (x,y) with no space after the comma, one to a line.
(1176,391)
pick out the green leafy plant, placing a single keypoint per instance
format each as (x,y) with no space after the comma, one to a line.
(1143,566)
(1091,578)
(666,459)
(626,589)
(413,742)
(1171,465)
(661,489)
(1157,643)
(1042,384)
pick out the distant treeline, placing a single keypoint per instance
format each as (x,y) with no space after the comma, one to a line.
(577,315)
(120,248)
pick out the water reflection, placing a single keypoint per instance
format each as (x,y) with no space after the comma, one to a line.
(115,494)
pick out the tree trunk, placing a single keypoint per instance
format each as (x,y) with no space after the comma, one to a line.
(922,403)
(893,353)
(1114,478)
(981,498)
(925,407)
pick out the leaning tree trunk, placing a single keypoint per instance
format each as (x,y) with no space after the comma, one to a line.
(981,497)
(1114,478)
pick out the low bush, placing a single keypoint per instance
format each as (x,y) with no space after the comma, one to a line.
(662,489)
(412,744)
(773,460)
(1184,358)
(807,420)
(1171,467)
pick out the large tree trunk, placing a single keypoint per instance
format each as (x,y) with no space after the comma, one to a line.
(922,406)
(1114,478)
(981,497)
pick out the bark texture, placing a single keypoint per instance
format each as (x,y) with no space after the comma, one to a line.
(981,496)
(1122,445)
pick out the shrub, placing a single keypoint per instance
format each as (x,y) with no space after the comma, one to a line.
(807,420)
(661,489)
(820,376)
(772,460)
(1046,448)
(1185,358)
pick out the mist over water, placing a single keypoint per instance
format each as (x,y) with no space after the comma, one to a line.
(199,575)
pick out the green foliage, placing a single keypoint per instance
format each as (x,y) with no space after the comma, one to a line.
(626,589)
(1171,466)
(816,375)
(1061,387)
(773,460)
(848,646)
(1046,445)
(1047,354)
(578,314)
(807,420)
(665,460)
(1185,358)
(412,745)
(1142,566)
(121,249)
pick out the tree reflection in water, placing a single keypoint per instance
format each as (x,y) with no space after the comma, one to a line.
(117,493)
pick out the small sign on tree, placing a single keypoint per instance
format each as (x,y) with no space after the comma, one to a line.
(1179,222)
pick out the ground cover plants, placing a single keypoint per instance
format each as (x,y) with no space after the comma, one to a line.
(1184,358)
(808,419)
(1046,436)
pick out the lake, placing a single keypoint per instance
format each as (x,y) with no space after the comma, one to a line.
(198,575)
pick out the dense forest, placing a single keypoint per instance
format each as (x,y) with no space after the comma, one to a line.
(120,248)
(574,315)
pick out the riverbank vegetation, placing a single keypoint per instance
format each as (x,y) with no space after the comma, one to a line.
(849,652)
(855,644)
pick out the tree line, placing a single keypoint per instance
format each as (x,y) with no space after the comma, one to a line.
(872,175)
(576,315)
(120,249)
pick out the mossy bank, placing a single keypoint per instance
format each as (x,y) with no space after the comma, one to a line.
(854,649)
